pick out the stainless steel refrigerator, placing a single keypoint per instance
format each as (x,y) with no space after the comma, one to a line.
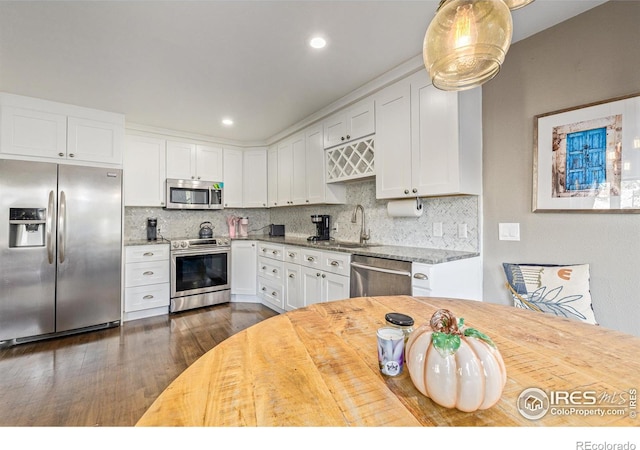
(60,249)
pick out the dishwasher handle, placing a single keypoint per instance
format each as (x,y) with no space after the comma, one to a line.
(380,269)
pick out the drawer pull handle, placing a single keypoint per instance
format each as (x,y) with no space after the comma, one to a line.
(274,271)
(264,267)
(420,276)
(335,263)
(274,252)
(147,297)
(148,254)
(311,259)
(264,288)
(292,255)
(264,250)
(147,273)
(291,275)
(274,293)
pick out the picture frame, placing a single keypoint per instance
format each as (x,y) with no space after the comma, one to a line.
(587,158)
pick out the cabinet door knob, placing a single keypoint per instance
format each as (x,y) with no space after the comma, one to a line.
(264,267)
(275,252)
(348,137)
(264,288)
(414,190)
(71,155)
(264,250)
(292,255)
(198,178)
(406,191)
(318,274)
(324,276)
(420,276)
(342,138)
(274,271)
(60,154)
(291,275)
(274,293)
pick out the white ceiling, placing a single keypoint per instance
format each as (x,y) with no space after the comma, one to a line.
(185,65)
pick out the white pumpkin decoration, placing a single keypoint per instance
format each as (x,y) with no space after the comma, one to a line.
(456,367)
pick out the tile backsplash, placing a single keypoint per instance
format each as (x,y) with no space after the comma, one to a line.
(403,231)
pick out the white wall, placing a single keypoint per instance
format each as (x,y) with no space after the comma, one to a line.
(592,57)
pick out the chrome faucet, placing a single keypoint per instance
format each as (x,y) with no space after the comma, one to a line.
(364,236)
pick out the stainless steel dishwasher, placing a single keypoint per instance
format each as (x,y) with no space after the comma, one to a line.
(372,276)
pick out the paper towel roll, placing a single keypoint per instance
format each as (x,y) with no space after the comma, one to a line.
(405,208)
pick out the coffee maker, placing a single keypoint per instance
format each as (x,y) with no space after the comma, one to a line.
(152,228)
(323,227)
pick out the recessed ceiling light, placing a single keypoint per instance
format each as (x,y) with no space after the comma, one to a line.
(227,122)
(317,42)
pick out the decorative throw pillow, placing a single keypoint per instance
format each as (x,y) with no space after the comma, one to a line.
(560,290)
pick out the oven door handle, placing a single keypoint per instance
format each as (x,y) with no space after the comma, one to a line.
(200,251)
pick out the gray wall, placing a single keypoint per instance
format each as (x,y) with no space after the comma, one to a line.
(592,57)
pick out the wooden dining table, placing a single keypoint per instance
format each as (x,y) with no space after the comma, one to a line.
(318,366)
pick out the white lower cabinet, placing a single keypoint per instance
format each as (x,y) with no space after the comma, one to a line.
(455,279)
(271,288)
(147,281)
(291,277)
(293,286)
(325,276)
(244,258)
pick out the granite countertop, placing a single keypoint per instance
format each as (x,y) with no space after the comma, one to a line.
(397,252)
(145,242)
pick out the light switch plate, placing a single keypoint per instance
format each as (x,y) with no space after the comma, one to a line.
(462,230)
(509,231)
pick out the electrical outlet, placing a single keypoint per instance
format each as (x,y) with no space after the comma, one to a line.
(437,229)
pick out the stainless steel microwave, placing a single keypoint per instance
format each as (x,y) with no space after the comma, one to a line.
(194,194)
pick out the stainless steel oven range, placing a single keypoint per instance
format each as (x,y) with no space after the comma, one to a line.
(200,273)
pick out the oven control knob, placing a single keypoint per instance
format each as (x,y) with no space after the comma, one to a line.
(176,244)
(184,244)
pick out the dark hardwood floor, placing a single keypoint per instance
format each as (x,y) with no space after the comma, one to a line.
(110,377)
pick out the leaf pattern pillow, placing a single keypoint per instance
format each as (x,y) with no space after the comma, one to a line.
(559,290)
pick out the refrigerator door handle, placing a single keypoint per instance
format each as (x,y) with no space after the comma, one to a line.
(49,225)
(62,220)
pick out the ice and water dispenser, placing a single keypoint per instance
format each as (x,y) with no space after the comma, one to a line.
(27,227)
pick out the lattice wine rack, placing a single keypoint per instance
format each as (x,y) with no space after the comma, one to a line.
(352,161)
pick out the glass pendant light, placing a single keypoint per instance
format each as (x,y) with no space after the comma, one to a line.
(466,42)
(515,4)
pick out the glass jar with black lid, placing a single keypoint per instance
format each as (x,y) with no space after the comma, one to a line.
(402,321)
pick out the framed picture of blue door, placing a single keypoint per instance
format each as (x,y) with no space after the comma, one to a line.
(587,158)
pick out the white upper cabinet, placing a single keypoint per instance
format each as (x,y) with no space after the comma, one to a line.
(349,124)
(144,171)
(299,170)
(254,178)
(187,161)
(428,141)
(233,178)
(272,176)
(245,177)
(285,172)
(41,130)
(318,191)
